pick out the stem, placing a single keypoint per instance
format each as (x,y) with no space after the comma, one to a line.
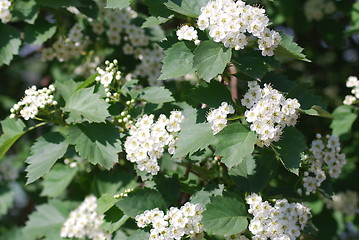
(235,118)
(35,126)
(233,83)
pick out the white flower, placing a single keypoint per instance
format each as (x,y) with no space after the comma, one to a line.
(218,117)
(352,82)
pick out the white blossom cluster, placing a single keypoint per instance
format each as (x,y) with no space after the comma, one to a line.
(237,236)
(229,21)
(218,117)
(5,14)
(188,33)
(345,202)
(148,140)
(33,101)
(176,223)
(324,157)
(352,82)
(65,49)
(317,9)
(269,112)
(85,222)
(107,75)
(283,221)
(119,29)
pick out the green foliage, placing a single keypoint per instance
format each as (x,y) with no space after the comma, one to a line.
(105,202)
(156,95)
(139,235)
(118,3)
(193,137)
(180,54)
(225,215)
(9,43)
(210,59)
(186,7)
(44,153)
(251,65)
(288,48)
(98,143)
(26,10)
(141,200)
(85,105)
(235,142)
(317,111)
(39,33)
(12,129)
(6,199)
(47,220)
(57,180)
(343,119)
(289,149)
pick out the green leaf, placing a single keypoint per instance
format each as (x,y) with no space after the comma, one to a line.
(12,129)
(99,143)
(289,149)
(252,65)
(235,142)
(343,118)
(317,111)
(141,200)
(306,97)
(105,202)
(25,10)
(180,54)
(6,199)
(118,3)
(210,59)
(169,187)
(57,180)
(88,82)
(13,234)
(139,235)
(9,43)
(253,174)
(113,220)
(212,94)
(156,95)
(193,137)
(288,48)
(44,153)
(204,196)
(85,105)
(186,7)
(40,32)
(59,3)
(66,87)
(154,21)
(225,215)
(47,220)
(114,182)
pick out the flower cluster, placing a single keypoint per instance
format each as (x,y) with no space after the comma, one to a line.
(5,14)
(148,139)
(284,220)
(324,157)
(269,112)
(175,224)
(85,222)
(317,9)
(188,33)
(65,49)
(229,21)
(352,82)
(124,194)
(345,202)
(218,117)
(107,75)
(33,101)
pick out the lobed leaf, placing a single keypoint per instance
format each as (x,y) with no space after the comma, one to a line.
(44,153)
(188,8)
(288,48)
(9,43)
(343,118)
(156,95)
(12,129)
(225,215)
(235,142)
(210,59)
(141,200)
(178,61)
(85,105)
(99,143)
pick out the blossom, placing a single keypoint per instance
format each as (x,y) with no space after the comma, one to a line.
(231,22)
(5,15)
(218,117)
(352,82)
(269,112)
(176,223)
